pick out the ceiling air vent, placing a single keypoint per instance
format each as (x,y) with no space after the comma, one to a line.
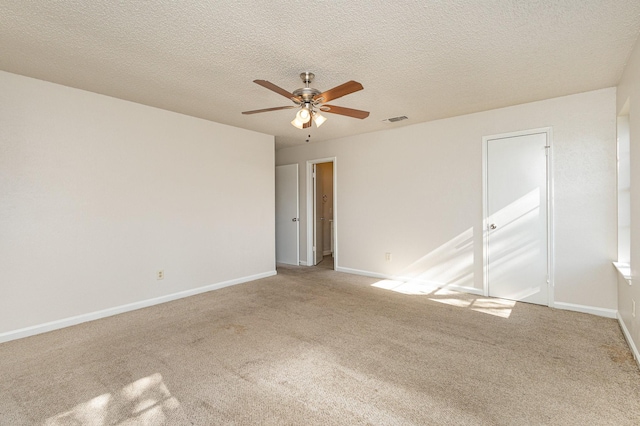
(394,119)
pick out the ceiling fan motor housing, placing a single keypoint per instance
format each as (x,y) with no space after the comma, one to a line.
(307,77)
(306,93)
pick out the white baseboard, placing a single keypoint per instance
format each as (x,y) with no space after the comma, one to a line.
(359,272)
(326,252)
(630,342)
(427,284)
(601,312)
(303,263)
(67,322)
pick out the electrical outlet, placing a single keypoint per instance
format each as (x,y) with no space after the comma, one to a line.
(633,308)
(160,275)
(387,257)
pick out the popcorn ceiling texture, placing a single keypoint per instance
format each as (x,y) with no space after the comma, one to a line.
(426,60)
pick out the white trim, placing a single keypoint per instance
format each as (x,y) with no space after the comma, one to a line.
(314,194)
(624,269)
(550,209)
(485,218)
(428,284)
(551,229)
(335,213)
(630,342)
(363,273)
(601,312)
(326,252)
(310,218)
(303,263)
(78,319)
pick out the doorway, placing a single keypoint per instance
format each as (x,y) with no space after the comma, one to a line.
(517,215)
(321,212)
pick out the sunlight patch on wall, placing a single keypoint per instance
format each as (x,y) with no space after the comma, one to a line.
(451,264)
(448,266)
(145,401)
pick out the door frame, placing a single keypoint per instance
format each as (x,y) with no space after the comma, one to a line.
(550,208)
(310,216)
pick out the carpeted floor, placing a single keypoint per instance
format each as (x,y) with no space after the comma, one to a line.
(314,346)
(326,263)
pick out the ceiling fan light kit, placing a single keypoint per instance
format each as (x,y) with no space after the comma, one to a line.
(302,118)
(319,118)
(311,101)
(303,115)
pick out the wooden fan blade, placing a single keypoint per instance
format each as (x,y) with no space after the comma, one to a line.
(279,90)
(339,91)
(349,112)
(269,109)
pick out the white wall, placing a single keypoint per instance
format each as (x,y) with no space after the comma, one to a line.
(97,194)
(629,90)
(426,183)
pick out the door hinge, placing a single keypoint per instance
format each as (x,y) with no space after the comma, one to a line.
(314,248)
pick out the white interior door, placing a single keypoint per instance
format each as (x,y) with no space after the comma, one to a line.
(517,203)
(318,232)
(287,219)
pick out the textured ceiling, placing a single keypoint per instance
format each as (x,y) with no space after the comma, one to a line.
(425,60)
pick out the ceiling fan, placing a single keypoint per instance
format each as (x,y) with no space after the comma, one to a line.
(311,101)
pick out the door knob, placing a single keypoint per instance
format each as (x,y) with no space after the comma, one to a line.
(492,226)
(295,219)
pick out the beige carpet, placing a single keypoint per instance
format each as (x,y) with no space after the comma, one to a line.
(314,346)
(326,263)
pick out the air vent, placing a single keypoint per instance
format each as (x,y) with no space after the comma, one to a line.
(394,119)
